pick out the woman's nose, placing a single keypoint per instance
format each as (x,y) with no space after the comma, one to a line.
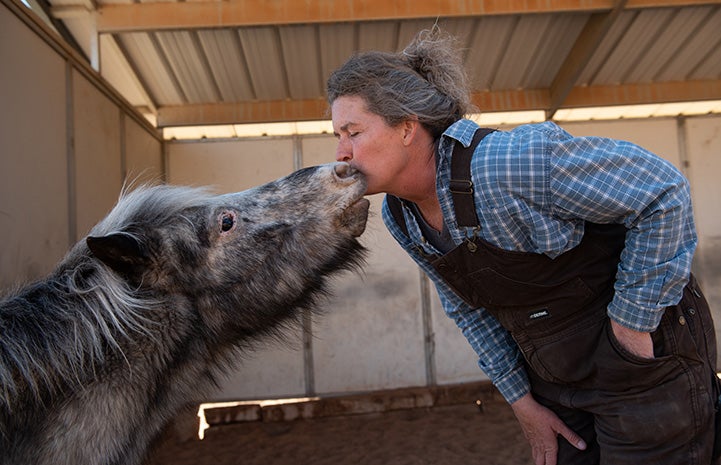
(343,154)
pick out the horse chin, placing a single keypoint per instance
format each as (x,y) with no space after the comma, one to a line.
(354,218)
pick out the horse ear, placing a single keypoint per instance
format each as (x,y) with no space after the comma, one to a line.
(121,252)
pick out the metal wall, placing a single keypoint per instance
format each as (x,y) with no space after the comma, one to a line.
(384,328)
(67,142)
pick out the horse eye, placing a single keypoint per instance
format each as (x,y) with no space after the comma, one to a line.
(226,222)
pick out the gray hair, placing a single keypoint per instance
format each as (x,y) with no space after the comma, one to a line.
(426,80)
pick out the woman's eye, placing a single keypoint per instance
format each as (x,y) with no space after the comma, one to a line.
(226,222)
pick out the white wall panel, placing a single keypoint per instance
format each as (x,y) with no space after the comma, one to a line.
(229,166)
(273,369)
(33,168)
(318,150)
(60,145)
(98,166)
(374,323)
(703,140)
(143,155)
(455,360)
(372,334)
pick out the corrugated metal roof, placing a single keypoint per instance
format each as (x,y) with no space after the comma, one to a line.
(195,74)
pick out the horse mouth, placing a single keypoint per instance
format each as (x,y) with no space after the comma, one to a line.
(354,217)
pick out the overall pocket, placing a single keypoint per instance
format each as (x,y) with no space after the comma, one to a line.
(557,326)
(566,354)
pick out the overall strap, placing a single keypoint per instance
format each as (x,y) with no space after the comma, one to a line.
(396,209)
(461,186)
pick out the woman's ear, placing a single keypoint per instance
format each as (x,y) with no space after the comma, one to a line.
(409,129)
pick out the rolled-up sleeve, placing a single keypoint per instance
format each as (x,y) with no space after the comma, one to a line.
(610,181)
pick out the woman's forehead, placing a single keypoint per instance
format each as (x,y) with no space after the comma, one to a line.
(349,111)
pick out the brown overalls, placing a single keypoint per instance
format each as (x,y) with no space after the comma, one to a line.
(629,410)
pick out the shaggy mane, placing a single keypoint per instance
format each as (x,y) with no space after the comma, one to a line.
(88,310)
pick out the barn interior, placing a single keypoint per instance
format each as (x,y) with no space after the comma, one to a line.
(99,93)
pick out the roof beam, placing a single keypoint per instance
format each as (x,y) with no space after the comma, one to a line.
(638,94)
(487,102)
(243,112)
(317,109)
(581,53)
(238,13)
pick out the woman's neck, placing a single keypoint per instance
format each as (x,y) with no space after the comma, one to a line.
(432,213)
(424,194)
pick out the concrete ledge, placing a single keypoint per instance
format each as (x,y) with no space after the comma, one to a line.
(364,403)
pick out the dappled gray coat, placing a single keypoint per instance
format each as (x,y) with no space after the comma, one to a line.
(141,316)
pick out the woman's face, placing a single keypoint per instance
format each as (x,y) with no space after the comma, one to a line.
(369,144)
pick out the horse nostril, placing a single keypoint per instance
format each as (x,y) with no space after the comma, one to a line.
(343,170)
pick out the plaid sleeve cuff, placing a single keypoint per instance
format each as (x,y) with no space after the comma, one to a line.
(514,385)
(631,316)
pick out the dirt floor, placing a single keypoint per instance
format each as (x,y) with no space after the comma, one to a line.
(440,435)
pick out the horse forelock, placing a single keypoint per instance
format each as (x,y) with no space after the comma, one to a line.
(151,205)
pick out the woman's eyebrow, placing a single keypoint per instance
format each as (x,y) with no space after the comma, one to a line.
(345,127)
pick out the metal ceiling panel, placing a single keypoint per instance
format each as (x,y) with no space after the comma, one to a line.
(665,47)
(119,73)
(189,65)
(606,48)
(227,64)
(526,40)
(694,50)
(337,44)
(379,35)
(252,69)
(633,44)
(147,60)
(408,29)
(487,48)
(710,68)
(301,55)
(553,47)
(263,53)
(462,29)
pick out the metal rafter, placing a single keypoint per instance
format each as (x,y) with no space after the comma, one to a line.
(491,101)
(240,13)
(586,45)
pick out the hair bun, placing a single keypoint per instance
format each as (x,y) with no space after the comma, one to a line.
(434,55)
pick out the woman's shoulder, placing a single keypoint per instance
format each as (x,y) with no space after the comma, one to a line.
(463,130)
(545,129)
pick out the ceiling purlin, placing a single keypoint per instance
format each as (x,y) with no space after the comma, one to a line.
(136,77)
(151,16)
(586,45)
(643,93)
(487,101)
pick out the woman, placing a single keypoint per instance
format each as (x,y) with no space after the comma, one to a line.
(564,261)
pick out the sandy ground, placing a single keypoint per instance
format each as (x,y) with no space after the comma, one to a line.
(440,435)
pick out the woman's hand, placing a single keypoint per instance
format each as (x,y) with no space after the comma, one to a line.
(541,427)
(639,344)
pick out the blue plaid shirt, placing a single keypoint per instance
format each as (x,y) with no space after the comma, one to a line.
(534,187)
